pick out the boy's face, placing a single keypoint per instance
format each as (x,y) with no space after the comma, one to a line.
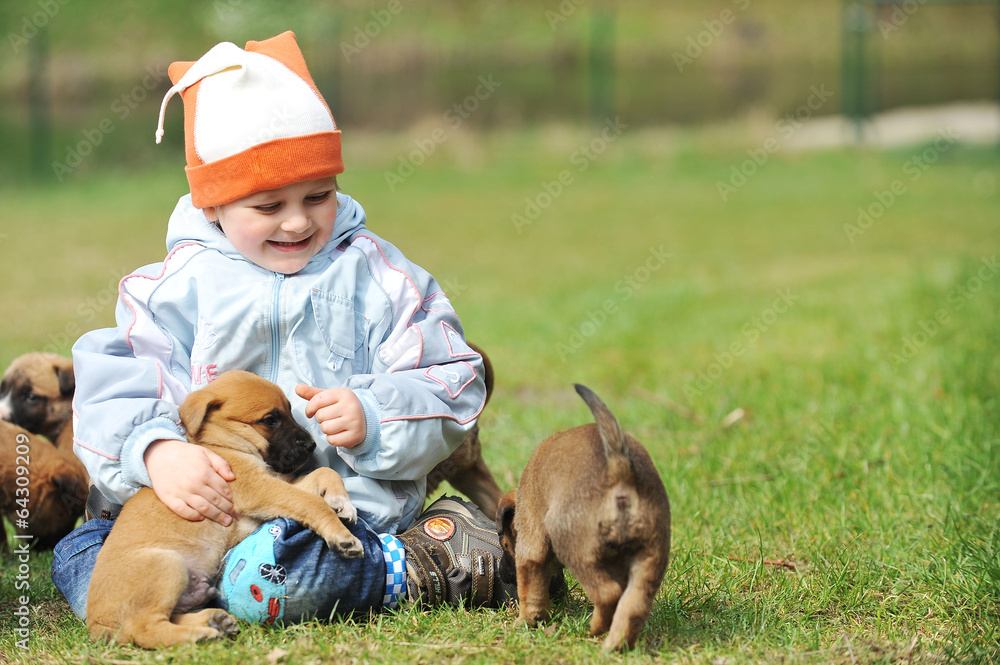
(280,229)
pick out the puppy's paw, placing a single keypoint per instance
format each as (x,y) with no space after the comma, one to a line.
(349,548)
(225,623)
(531,618)
(343,507)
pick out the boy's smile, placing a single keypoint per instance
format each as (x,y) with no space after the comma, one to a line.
(280,229)
(290,246)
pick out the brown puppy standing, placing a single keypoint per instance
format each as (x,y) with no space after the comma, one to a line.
(154,571)
(591,500)
(465,469)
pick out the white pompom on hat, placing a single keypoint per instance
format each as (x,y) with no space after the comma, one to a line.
(253,121)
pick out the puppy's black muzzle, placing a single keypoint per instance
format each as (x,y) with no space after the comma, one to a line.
(290,448)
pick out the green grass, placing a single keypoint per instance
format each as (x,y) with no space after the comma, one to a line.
(868,454)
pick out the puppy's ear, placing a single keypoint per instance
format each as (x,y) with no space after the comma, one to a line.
(67,380)
(505,513)
(196,408)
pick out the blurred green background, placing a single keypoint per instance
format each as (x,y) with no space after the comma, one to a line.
(389,65)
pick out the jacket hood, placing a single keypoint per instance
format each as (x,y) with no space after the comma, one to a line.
(188,224)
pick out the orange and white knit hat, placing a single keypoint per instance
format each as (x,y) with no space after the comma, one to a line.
(253,120)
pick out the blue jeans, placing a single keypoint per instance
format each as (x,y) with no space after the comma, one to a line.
(281,573)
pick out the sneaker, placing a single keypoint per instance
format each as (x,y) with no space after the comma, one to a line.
(453,556)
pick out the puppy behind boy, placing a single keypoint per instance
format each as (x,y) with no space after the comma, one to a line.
(465,468)
(591,500)
(154,571)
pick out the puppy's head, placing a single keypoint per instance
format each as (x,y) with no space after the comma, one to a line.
(254,410)
(508,536)
(36,393)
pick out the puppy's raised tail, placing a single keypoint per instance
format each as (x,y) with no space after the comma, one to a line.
(616,450)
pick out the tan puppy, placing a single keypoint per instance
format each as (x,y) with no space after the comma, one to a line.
(37,393)
(155,569)
(42,492)
(465,469)
(589,499)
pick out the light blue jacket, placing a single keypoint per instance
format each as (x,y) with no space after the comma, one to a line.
(359,315)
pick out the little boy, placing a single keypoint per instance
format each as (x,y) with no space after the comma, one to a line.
(271,270)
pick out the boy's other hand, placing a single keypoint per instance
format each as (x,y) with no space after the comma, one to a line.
(338,412)
(191,480)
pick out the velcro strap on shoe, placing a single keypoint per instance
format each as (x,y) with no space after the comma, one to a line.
(426,571)
(483,578)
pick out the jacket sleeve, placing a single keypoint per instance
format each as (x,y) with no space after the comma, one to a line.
(426,388)
(127,390)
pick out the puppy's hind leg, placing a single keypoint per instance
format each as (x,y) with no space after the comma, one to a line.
(603,592)
(213,618)
(636,603)
(152,624)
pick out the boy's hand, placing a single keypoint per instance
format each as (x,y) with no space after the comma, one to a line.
(191,480)
(338,412)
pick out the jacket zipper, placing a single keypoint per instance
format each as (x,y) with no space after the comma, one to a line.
(275,323)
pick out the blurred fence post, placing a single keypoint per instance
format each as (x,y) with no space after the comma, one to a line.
(855,24)
(39,104)
(858,17)
(601,56)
